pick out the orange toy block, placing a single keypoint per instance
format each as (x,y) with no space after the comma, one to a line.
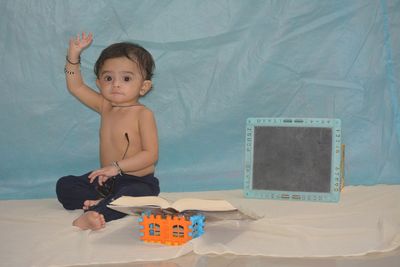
(170,229)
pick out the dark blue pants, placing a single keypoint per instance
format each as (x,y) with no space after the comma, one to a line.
(72,191)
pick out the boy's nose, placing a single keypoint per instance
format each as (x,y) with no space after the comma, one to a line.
(115,83)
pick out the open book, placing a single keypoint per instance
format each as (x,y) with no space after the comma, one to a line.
(212,209)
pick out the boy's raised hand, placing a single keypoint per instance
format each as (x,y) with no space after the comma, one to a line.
(78,43)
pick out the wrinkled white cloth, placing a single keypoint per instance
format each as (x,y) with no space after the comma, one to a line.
(366,219)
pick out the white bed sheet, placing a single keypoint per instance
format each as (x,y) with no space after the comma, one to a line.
(367,219)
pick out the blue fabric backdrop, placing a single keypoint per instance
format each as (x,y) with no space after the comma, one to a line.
(218,62)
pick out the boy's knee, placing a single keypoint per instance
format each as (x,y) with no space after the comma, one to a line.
(62,183)
(63,187)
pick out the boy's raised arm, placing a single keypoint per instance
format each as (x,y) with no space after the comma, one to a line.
(73,77)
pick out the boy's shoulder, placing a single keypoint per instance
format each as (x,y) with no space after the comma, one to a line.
(140,108)
(145,111)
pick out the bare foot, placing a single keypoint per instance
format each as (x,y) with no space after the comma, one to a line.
(89,203)
(90,220)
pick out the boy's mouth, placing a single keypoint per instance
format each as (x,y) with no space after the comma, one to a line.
(116,93)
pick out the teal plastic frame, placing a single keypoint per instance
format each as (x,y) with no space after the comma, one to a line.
(335,179)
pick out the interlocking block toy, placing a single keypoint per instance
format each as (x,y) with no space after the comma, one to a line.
(170,229)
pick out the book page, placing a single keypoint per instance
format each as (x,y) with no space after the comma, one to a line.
(152,201)
(202,204)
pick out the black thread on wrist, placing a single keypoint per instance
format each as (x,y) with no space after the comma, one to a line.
(73,63)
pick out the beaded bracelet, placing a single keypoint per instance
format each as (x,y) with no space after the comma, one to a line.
(70,72)
(73,63)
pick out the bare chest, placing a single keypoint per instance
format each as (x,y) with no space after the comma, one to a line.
(116,124)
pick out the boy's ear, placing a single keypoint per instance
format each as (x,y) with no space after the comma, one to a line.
(147,84)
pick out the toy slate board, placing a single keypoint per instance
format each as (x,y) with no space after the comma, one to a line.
(293,159)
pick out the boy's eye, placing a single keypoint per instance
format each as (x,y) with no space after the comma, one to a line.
(108,78)
(127,79)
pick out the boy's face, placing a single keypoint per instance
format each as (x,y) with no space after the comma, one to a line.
(121,81)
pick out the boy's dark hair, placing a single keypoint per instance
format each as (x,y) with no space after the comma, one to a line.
(132,51)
